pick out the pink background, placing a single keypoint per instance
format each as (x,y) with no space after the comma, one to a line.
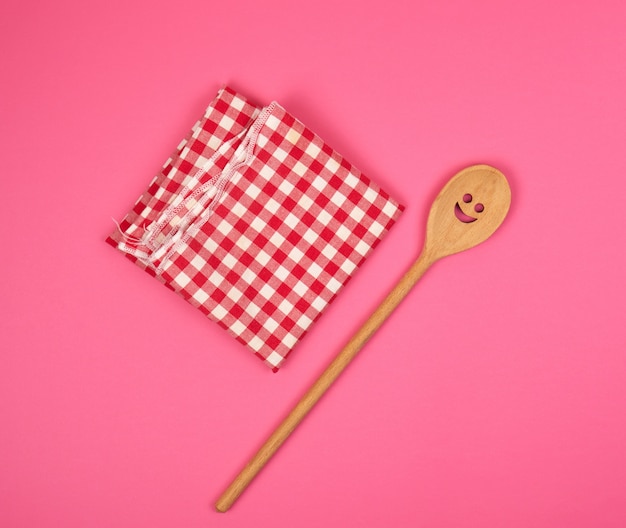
(495,396)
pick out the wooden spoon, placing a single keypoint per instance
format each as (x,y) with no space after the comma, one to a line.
(467,211)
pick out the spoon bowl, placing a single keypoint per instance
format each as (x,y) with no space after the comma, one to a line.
(467,211)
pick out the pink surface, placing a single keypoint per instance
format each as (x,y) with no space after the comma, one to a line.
(495,396)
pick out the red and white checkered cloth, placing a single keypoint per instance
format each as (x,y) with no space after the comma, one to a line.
(257,222)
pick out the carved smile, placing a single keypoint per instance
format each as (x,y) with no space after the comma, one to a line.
(458,212)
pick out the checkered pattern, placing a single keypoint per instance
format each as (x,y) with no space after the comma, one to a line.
(257,222)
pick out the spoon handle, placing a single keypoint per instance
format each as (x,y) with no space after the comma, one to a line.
(315,392)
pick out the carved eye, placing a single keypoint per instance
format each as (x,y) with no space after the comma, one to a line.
(467,198)
(479,208)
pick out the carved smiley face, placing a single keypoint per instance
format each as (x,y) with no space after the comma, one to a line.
(467,211)
(461,215)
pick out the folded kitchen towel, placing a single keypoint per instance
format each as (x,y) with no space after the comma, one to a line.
(257,222)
